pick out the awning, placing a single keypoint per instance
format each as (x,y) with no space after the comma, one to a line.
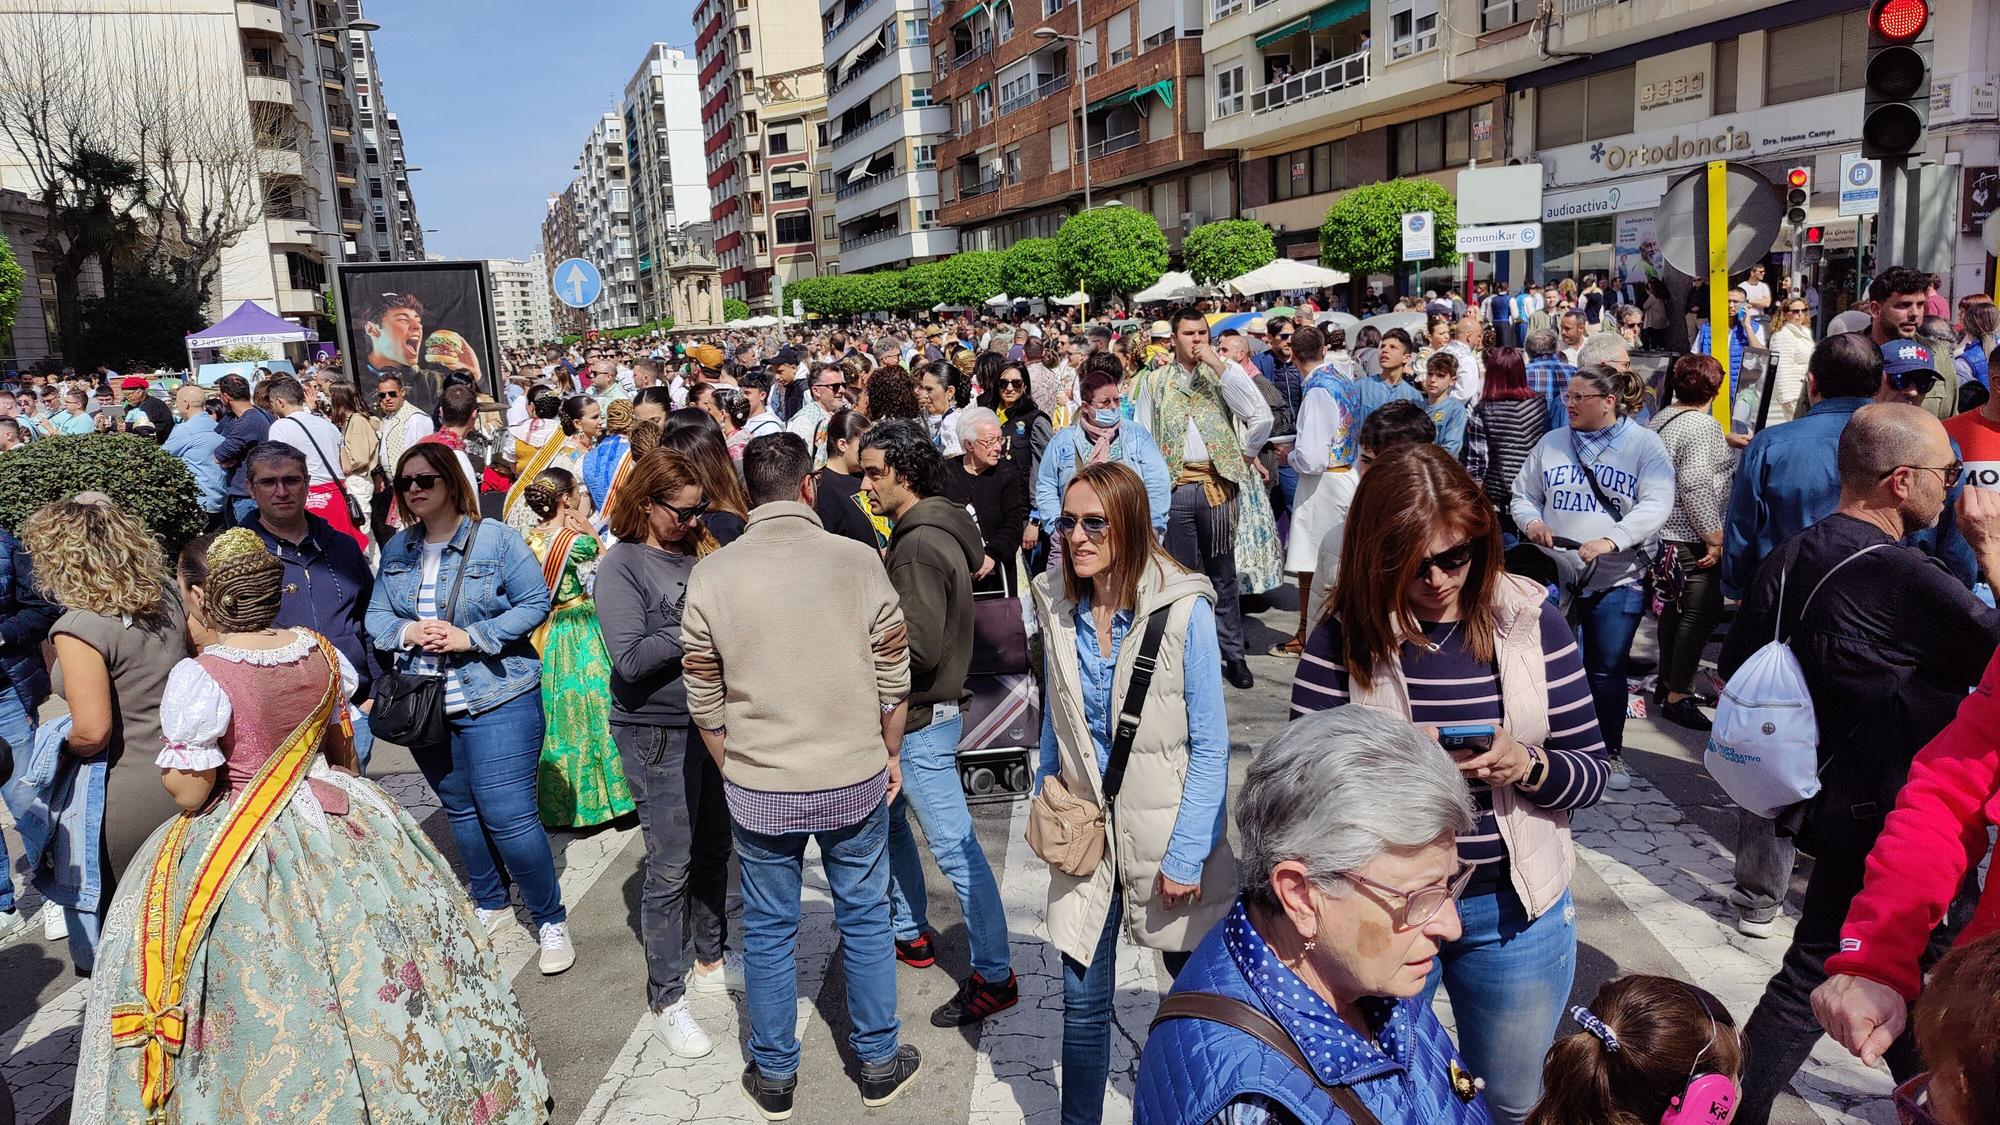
(1285,32)
(1164,88)
(981,88)
(1340,11)
(976,9)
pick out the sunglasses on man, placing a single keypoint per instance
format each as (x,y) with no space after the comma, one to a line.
(1918,381)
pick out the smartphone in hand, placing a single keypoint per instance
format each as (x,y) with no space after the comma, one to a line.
(1467,739)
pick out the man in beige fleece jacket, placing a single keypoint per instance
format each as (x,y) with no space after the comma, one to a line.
(806,752)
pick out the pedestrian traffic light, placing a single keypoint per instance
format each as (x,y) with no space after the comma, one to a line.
(1898,82)
(1798,195)
(1815,236)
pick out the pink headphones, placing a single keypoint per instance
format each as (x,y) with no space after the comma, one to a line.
(1709,1099)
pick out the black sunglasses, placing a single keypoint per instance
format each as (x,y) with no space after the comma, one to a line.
(1450,562)
(425,481)
(1094,527)
(686,515)
(1919,381)
(1012,383)
(1951,473)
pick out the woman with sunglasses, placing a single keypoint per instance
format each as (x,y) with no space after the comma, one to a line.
(1426,623)
(1605,482)
(484,771)
(640,587)
(1169,873)
(1024,429)
(579,784)
(1791,351)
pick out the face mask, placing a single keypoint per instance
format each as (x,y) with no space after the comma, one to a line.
(1106,418)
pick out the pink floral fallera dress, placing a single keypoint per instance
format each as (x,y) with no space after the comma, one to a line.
(344,977)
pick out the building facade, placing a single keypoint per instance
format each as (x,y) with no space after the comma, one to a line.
(884,129)
(560,244)
(1117,96)
(521,300)
(604,224)
(389,230)
(664,165)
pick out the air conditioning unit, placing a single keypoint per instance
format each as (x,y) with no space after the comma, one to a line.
(1193,218)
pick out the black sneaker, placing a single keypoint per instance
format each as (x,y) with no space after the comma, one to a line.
(976,1000)
(918,952)
(1686,713)
(773,1099)
(1237,672)
(882,1081)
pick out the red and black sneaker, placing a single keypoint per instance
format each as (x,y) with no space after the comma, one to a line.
(918,953)
(976,1000)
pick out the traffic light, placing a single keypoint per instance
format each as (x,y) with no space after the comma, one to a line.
(1798,195)
(1898,81)
(1815,236)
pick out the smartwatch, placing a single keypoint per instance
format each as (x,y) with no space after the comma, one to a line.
(1537,771)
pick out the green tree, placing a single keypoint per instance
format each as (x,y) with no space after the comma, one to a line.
(153,483)
(811,293)
(1111,250)
(1363,231)
(971,276)
(1033,268)
(145,322)
(1229,248)
(733,309)
(913,290)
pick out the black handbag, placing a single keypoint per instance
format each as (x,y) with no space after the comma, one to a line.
(409,706)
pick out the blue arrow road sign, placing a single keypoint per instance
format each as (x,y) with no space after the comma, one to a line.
(577,283)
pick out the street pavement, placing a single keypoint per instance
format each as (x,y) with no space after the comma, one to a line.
(1650,890)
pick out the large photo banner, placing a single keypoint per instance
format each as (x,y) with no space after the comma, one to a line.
(427,323)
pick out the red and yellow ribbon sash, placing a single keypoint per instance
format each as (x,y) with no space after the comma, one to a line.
(158,1024)
(557,557)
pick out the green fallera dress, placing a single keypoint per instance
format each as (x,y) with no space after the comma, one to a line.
(580,782)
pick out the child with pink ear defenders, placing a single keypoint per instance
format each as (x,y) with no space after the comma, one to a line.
(1650,1049)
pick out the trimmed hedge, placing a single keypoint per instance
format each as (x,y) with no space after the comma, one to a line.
(145,478)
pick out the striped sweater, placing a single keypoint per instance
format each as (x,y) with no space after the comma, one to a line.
(1452,688)
(1498,438)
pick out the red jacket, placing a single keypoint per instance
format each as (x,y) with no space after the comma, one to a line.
(1936,833)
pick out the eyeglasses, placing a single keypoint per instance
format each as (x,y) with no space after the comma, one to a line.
(828,386)
(1095,528)
(1424,903)
(1450,562)
(1950,472)
(292,483)
(388,394)
(1919,381)
(1912,1100)
(1284,335)
(1797,308)
(686,515)
(1572,396)
(424,481)
(1632,324)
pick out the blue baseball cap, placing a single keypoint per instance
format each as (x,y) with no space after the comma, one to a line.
(1900,357)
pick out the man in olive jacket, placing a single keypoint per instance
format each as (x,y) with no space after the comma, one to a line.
(932,554)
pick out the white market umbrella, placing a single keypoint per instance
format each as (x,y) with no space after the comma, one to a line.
(1411,322)
(999,301)
(1074,300)
(1172,286)
(1284,274)
(1346,321)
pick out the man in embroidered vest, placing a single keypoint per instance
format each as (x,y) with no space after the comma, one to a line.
(1193,405)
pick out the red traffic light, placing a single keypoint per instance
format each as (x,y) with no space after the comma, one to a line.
(1899,20)
(1815,235)
(1798,177)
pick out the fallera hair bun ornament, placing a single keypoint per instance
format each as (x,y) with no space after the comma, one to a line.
(1595,1026)
(236,543)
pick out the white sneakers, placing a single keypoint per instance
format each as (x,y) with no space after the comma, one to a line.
(557,953)
(492,920)
(55,924)
(1619,779)
(721,982)
(11,923)
(683,1036)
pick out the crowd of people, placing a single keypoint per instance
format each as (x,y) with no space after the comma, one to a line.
(580,601)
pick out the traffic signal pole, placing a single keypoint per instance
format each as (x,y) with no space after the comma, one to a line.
(1889,217)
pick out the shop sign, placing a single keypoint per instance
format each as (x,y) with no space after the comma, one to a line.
(1672,89)
(1748,136)
(1499,239)
(1604,199)
(1419,236)
(1979,198)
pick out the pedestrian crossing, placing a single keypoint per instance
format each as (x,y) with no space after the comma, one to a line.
(1666,872)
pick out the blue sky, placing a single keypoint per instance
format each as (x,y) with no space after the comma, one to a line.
(496,98)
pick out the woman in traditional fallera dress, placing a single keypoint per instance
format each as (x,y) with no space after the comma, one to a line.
(581,782)
(291,947)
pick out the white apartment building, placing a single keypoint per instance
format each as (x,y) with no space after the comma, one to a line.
(883,132)
(389,229)
(762,114)
(522,312)
(604,224)
(663,161)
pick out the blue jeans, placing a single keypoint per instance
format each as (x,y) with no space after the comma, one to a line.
(1508,979)
(485,779)
(1606,624)
(17,741)
(1087,994)
(857,871)
(364,741)
(931,785)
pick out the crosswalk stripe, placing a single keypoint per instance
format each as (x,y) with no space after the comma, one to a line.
(1675,879)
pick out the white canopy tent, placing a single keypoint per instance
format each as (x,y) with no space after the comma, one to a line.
(1284,274)
(1074,300)
(999,301)
(1172,286)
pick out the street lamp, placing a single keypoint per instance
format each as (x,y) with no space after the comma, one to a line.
(350,25)
(1082,90)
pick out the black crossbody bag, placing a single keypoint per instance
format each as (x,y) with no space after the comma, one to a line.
(409,706)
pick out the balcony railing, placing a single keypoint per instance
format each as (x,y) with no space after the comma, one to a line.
(850,17)
(287,212)
(983,47)
(850,134)
(848,191)
(1340,74)
(987,186)
(858,73)
(1580,7)
(257,69)
(882,235)
(1052,84)
(1118,143)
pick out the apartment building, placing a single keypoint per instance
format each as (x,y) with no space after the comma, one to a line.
(406,233)
(559,244)
(1116,98)
(521,300)
(604,224)
(389,230)
(884,130)
(664,166)
(1321,97)
(762,116)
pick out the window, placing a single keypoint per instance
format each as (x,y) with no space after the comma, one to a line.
(829,228)
(1089,51)
(1229,91)
(1051,7)
(1011,161)
(743,38)
(1819,57)
(1310,171)
(916,33)
(1224,8)
(1429,144)
(826,181)
(1003,20)
(926,157)
(822,134)
(985,97)
(920,97)
(1584,109)
(1059,148)
(1118,36)
(926,219)
(763,244)
(791,187)
(964,112)
(750,121)
(794,226)
(1722,91)
(1496,14)
(780,142)
(1413,27)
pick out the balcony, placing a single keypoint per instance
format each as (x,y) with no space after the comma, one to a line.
(870,239)
(1340,74)
(856,187)
(980,48)
(1117,142)
(852,15)
(986,186)
(261,15)
(1049,86)
(866,67)
(850,134)
(899,247)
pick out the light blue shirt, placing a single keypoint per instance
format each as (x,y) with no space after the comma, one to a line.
(72,423)
(194,440)
(1200,822)
(1449,418)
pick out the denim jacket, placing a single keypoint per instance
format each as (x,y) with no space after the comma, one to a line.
(502,601)
(58,806)
(25,620)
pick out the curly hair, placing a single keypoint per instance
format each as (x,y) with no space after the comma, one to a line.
(91,553)
(241,581)
(892,393)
